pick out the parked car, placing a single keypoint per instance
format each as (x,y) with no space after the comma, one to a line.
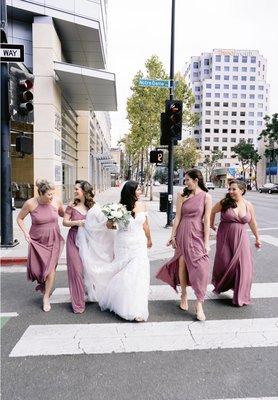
(210,185)
(269,188)
(156,183)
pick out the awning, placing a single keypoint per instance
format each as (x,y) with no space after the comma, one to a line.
(87,88)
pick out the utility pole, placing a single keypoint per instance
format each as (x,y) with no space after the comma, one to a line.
(171,142)
(6,166)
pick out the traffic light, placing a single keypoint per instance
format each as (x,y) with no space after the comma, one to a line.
(171,122)
(174,118)
(21,95)
(156,156)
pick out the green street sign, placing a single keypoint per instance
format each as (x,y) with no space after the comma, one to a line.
(154,83)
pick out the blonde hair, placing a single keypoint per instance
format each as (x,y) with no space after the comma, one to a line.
(43,186)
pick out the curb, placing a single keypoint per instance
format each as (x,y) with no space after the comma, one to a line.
(8,261)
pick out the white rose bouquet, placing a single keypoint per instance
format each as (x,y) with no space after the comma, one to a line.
(116,213)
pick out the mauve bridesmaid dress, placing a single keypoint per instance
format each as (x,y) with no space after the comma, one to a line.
(190,244)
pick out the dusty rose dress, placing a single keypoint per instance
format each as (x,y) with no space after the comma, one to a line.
(46,244)
(233,265)
(190,244)
(74,264)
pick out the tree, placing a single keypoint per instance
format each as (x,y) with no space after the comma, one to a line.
(145,105)
(211,161)
(246,154)
(186,154)
(270,136)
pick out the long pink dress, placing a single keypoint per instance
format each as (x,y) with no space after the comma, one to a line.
(74,264)
(233,265)
(190,244)
(46,244)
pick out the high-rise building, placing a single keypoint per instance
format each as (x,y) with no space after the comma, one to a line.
(231,97)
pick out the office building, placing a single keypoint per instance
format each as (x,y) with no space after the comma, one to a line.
(65,48)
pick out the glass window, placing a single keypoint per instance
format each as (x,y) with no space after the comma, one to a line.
(260,105)
(217,58)
(224,130)
(225,104)
(208,112)
(259,123)
(251,105)
(195,74)
(207,148)
(234,95)
(241,131)
(217,95)
(252,69)
(234,87)
(235,78)
(260,96)
(217,77)
(226,86)
(216,139)
(251,114)
(235,59)
(234,113)
(217,68)
(226,95)
(252,87)
(233,140)
(241,122)
(235,69)
(226,77)
(253,60)
(207,130)
(233,130)
(206,71)
(226,58)
(243,87)
(208,103)
(207,139)
(216,130)
(260,114)
(234,104)
(216,104)
(207,121)
(250,131)
(252,78)
(244,69)
(250,123)
(261,87)
(216,121)
(251,96)
(208,94)
(225,122)
(195,65)
(225,113)
(242,113)
(197,106)
(243,96)
(226,68)
(217,86)
(215,148)
(242,105)
(244,78)
(216,112)
(224,140)
(206,61)
(224,148)
(233,122)
(244,59)
(208,85)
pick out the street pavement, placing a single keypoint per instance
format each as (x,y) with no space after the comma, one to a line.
(97,355)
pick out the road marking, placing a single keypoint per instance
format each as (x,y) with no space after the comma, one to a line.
(8,314)
(250,398)
(165,292)
(45,340)
(269,239)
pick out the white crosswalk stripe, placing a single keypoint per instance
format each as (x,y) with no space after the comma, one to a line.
(44,340)
(164,292)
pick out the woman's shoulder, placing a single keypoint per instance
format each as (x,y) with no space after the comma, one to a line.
(140,206)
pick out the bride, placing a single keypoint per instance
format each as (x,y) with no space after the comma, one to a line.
(120,285)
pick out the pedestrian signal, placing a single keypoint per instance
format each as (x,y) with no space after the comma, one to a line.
(174,118)
(156,156)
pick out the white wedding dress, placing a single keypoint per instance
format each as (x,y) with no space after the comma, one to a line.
(120,285)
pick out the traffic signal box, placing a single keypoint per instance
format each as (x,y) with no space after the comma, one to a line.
(156,156)
(171,122)
(21,95)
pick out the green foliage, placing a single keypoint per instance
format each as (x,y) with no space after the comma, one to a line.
(270,133)
(186,154)
(245,152)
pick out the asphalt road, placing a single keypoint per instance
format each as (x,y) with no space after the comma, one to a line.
(212,373)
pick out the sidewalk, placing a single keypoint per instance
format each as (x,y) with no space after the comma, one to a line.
(18,255)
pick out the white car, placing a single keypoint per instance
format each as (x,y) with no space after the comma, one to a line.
(210,185)
(156,183)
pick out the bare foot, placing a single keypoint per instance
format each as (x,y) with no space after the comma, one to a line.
(46,305)
(184,303)
(200,315)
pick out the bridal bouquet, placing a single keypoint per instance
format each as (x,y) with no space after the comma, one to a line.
(117,213)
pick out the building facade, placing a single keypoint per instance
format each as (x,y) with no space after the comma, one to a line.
(231,97)
(65,46)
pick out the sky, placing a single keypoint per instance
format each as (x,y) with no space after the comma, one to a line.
(138,29)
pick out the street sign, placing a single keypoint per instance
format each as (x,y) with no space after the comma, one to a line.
(11,52)
(154,83)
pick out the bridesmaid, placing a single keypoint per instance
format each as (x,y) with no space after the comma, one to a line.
(233,265)
(45,240)
(190,239)
(75,216)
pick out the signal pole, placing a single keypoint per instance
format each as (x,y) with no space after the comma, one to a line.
(171,142)
(6,167)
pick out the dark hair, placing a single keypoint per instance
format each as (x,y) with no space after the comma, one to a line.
(128,196)
(87,190)
(194,174)
(43,186)
(228,202)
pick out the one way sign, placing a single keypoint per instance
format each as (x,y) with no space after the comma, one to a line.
(11,52)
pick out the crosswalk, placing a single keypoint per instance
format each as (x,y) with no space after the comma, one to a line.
(61,339)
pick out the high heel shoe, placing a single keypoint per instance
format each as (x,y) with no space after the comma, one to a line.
(200,315)
(46,305)
(184,304)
